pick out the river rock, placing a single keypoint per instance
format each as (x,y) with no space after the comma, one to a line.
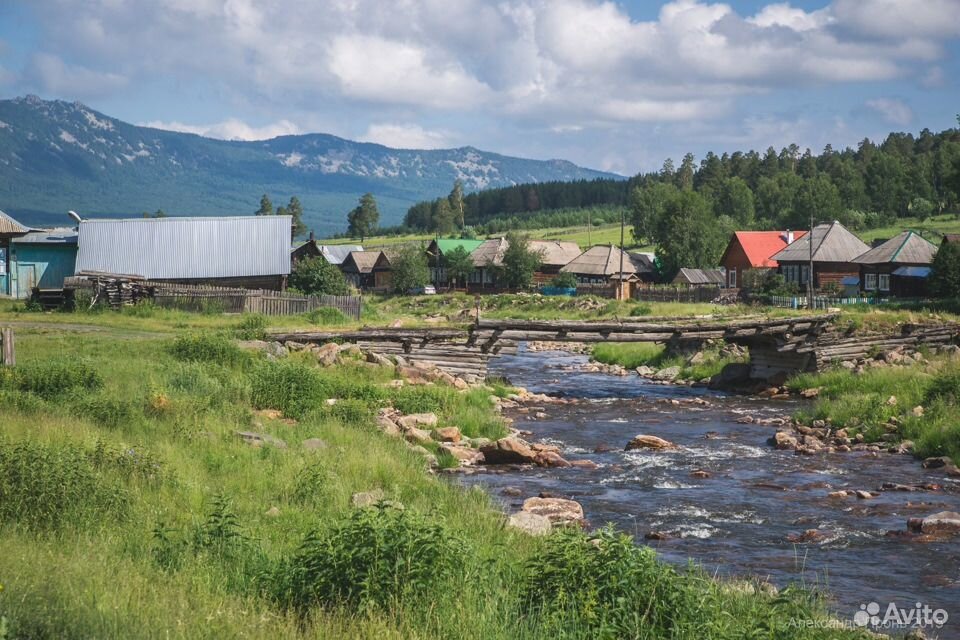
(534,524)
(667,375)
(386,425)
(447,434)
(642,441)
(645,371)
(508,450)
(810,393)
(944,522)
(327,354)
(864,495)
(783,440)
(418,420)
(417,436)
(584,464)
(558,510)
(465,455)
(699,473)
(551,459)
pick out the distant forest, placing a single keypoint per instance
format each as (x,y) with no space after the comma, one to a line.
(866,187)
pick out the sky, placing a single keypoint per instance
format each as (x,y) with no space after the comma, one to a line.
(618,86)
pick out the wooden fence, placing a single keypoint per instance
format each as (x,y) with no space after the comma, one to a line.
(681,294)
(822,302)
(269,303)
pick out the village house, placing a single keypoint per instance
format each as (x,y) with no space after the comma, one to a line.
(752,250)
(334,254)
(358,268)
(250,252)
(9,229)
(436,250)
(834,251)
(599,268)
(900,266)
(488,259)
(383,270)
(34,258)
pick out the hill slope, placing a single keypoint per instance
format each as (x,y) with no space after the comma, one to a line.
(56,155)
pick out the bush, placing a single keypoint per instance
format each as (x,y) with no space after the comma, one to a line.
(410,268)
(565,280)
(608,587)
(352,411)
(379,557)
(45,487)
(142,309)
(206,347)
(52,378)
(106,409)
(252,326)
(424,399)
(316,276)
(326,316)
(288,386)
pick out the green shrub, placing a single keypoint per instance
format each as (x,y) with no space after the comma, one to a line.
(642,309)
(326,316)
(107,409)
(945,385)
(378,558)
(127,462)
(143,309)
(252,326)
(292,387)
(608,587)
(565,280)
(52,378)
(206,347)
(423,399)
(22,401)
(352,411)
(316,276)
(44,487)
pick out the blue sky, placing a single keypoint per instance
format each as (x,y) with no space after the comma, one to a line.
(616,86)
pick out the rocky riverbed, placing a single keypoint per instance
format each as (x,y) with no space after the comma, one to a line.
(701,475)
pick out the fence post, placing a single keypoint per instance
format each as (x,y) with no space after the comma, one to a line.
(8,354)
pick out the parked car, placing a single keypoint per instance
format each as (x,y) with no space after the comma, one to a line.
(428,290)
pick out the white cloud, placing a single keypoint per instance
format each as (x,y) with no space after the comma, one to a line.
(50,74)
(230,129)
(406,136)
(783,15)
(893,111)
(898,19)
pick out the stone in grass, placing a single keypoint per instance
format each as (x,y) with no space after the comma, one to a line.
(531,523)
(313,444)
(418,420)
(367,498)
(259,439)
(447,434)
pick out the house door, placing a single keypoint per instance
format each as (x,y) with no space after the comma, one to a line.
(26,280)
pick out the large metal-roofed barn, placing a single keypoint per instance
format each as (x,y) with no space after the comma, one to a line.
(251,252)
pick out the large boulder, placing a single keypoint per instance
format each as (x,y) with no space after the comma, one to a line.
(558,511)
(551,459)
(386,425)
(418,420)
(944,522)
(417,436)
(643,441)
(447,434)
(509,451)
(783,440)
(531,523)
(465,455)
(327,354)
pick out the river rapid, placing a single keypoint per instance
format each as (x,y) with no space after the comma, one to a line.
(743,520)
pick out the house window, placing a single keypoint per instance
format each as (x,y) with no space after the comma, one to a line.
(884,279)
(870,282)
(733,278)
(790,273)
(804,274)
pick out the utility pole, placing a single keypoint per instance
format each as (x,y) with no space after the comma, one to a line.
(620,275)
(589,226)
(810,266)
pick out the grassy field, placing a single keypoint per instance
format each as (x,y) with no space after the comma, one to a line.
(932,228)
(130,508)
(605,234)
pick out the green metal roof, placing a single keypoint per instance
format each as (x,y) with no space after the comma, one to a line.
(449,244)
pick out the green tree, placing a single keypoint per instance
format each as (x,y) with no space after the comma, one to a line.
(316,276)
(886,183)
(945,275)
(646,209)
(459,265)
(689,235)
(295,209)
(443,217)
(818,197)
(266,207)
(456,203)
(520,262)
(410,269)
(921,208)
(735,200)
(364,219)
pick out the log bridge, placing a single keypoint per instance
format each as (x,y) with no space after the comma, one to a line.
(777,346)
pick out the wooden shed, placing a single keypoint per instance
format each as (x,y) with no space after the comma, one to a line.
(358,268)
(9,229)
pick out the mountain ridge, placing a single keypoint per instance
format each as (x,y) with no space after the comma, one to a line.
(57,155)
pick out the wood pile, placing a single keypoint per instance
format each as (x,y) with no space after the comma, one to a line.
(835,345)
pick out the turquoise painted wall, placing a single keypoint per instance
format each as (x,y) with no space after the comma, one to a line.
(40,265)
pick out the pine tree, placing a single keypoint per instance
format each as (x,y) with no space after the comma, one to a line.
(266,207)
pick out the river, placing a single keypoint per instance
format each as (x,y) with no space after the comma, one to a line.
(740,520)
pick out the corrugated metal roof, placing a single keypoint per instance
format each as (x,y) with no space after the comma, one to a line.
(489,253)
(187,248)
(699,276)
(913,272)
(904,248)
(601,260)
(62,235)
(449,244)
(760,245)
(10,226)
(337,253)
(831,243)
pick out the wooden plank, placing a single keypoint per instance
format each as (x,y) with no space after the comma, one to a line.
(7,348)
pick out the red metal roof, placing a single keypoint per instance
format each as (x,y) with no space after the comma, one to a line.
(761,245)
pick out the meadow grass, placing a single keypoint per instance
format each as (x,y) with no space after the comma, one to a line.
(132,509)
